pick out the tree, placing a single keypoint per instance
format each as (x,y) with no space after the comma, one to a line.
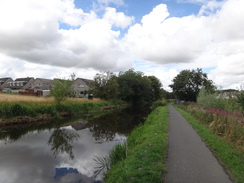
(61,90)
(105,86)
(187,84)
(135,88)
(156,87)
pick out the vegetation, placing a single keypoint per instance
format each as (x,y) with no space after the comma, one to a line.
(135,88)
(130,86)
(47,109)
(157,104)
(143,158)
(227,153)
(187,84)
(105,86)
(219,100)
(62,90)
(240,99)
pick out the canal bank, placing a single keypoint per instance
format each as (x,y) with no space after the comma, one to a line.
(63,151)
(146,150)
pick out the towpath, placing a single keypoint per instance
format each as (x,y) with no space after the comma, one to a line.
(189,159)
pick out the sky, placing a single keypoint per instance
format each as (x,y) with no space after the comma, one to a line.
(55,38)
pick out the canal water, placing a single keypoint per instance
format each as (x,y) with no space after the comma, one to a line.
(63,151)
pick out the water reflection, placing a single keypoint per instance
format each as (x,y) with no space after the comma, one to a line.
(61,141)
(62,151)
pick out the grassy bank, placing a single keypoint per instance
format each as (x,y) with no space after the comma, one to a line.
(17,109)
(225,152)
(143,159)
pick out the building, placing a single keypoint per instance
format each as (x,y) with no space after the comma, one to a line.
(81,86)
(43,84)
(21,83)
(4,82)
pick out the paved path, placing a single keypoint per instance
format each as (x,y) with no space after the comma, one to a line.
(189,160)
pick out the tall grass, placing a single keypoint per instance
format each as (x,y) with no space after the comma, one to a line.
(229,126)
(218,100)
(16,105)
(4,97)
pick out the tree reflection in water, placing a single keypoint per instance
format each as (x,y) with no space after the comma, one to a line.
(61,141)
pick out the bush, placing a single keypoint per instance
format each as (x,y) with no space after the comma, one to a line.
(157,104)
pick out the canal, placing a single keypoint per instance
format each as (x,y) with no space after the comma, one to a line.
(63,151)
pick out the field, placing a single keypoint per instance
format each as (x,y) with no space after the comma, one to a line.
(33,99)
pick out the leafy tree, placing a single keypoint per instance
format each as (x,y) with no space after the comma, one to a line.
(105,86)
(187,84)
(135,88)
(165,94)
(156,87)
(61,90)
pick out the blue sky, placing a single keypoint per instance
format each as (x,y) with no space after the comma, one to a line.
(157,37)
(138,8)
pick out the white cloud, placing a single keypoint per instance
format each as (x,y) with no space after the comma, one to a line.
(157,16)
(118,19)
(171,40)
(30,32)
(196,41)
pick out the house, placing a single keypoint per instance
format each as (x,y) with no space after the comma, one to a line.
(43,84)
(81,86)
(20,83)
(4,83)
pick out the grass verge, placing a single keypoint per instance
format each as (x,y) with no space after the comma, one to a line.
(146,152)
(226,154)
(26,112)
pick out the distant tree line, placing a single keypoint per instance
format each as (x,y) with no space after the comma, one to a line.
(131,86)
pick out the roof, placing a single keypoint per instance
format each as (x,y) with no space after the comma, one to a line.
(87,81)
(24,79)
(4,79)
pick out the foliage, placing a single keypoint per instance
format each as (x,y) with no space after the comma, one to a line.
(105,86)
(228,125)
(135,88)
(16,109)
(61,90)
(146,152)
(240,99)
(187,84)
(217,100)
(118,154)
(157,104)
(156,88)
(166,95)
(225,152)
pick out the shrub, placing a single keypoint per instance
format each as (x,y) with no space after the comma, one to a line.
(157,104)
